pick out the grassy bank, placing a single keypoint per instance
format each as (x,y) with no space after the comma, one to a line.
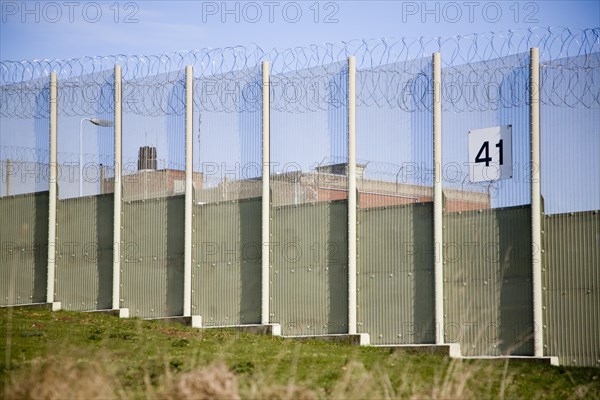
(89,355)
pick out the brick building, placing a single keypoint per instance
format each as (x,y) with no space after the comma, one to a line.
(324,183)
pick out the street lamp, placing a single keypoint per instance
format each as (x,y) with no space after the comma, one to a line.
(98,122)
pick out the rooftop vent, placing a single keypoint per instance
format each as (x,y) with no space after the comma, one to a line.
(147,158)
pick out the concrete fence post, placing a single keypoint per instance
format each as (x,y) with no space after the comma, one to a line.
(352,196)
(189,132)
(53,189)
(536,206)
(266,195)
(438,200)
(118,194)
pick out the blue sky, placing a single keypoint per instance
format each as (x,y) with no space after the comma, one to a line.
(71,29)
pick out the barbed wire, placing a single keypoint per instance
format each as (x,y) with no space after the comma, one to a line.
(393,73)
(30,154)
(22,153)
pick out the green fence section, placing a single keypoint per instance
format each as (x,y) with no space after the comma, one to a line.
(84,253)
(226,262)
(309,273)
(487,281)
(395,274)
(152,257)
(571,287)
(24,241)
(487,269)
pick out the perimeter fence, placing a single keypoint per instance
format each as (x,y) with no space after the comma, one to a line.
(300,187)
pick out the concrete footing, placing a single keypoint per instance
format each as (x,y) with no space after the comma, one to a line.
(194,321)
(56,306)
(530,359)
(450,349)
(258,329)
(120,312)
(359,339)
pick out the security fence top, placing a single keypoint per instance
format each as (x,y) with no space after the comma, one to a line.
(147,72)
(553,42)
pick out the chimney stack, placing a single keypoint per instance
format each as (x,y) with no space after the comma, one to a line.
(147,158)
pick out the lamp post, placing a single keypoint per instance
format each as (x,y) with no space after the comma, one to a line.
(98,122)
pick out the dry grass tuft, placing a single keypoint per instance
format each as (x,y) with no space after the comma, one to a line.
(212,382)
(61,378)
(285,392)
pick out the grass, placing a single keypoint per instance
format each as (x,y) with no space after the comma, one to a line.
(90,355)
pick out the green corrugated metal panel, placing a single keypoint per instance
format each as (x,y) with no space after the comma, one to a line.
(309,271)
(226,262)
(85,253)
(152,257)
(487,281)
(24,241)
(571,281)
(395,274)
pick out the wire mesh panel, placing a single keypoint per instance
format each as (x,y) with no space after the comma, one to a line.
(570,134)
(395,238)
(85,135)
(228,152)
(309,186)
(86,173)
(570,144)
(394,134)
(485,172)
(310,274)
(226,254)
(24,241)
(395,280)
(489,298)
(152,259)
(85,253)
(571,287)
(24,182)
(490,94)
(309,140)
(24,136)
(153,187)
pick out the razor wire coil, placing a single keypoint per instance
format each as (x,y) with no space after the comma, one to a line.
(392,73)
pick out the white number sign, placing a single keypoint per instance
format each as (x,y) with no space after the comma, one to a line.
(490,153)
